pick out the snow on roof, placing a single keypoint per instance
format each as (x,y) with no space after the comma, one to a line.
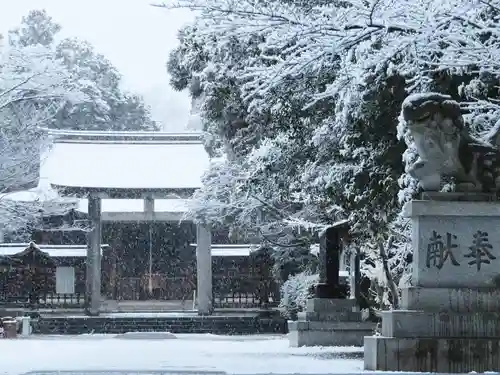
(230,250)
(171,205)
(43,192)
(121,160)
(243,249)
(62,251)
(173,165)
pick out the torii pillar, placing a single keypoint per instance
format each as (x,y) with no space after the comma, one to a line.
(93,261)
(204,270)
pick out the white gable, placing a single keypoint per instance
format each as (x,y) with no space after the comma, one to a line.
(149,161)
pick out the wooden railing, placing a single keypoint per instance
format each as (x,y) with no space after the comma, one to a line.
(242,300)
(43,300)
(241,291)
(244,292)
(228,292)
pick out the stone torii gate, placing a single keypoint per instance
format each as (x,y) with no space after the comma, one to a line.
(119,165)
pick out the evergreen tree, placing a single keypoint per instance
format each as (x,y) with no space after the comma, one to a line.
(300,103)
(109,107)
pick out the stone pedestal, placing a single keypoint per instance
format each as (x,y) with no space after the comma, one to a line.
(329,322)
(331,319)
(450,319)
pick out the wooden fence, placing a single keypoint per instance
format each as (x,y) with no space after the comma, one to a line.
(228,292)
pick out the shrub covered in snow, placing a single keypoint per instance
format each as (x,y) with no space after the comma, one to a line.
(295,292)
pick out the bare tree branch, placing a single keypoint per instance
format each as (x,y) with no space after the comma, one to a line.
(390,280)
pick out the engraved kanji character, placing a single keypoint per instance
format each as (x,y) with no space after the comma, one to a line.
(480,251)
(439,251)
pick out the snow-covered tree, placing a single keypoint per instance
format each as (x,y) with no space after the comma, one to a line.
(271,135)
(243,187)
(36,28)
(301,100)
(33,86)
(110,107)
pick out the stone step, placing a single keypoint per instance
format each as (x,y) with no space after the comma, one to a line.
(219,325)
(334,316)
(331,326)
(328,333)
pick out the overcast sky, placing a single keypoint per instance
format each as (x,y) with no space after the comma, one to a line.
(135,36)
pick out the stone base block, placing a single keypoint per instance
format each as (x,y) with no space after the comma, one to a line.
(327,305)
(451,299)
(335,316)
(444,355)
(412,324)
(458,196)
(328,333)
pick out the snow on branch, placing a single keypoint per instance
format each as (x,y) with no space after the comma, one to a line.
(330,76)
(33,86)
(358,34)
(244,194)
(33,72)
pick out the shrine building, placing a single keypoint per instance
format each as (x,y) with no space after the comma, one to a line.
(125,235)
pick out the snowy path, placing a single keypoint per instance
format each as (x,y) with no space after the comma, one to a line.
(231,354)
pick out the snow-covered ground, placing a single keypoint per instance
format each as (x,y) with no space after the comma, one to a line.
(185,352)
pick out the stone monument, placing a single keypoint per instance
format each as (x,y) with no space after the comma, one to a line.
(449,318)
(330,319)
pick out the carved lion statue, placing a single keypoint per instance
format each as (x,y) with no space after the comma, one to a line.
(445,147)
